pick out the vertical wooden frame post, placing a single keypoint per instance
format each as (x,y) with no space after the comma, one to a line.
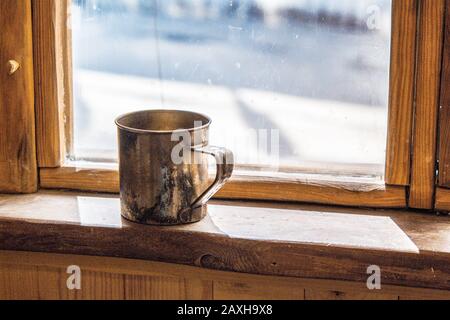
(444,125)
(443,190)
(429,53)
(401,92)
(18,168)
(52,79)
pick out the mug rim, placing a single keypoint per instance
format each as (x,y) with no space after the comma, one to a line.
(136,130)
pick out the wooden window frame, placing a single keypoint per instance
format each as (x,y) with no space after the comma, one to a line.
(430,39)
(416,53)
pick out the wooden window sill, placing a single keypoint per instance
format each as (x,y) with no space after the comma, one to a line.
(304,241)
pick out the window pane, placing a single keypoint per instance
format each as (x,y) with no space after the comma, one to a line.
(292,83)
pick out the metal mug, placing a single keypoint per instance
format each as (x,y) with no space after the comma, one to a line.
(155,189)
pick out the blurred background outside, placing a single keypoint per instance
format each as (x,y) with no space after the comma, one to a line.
(311,76)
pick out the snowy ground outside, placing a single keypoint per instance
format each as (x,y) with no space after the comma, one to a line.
(323,88)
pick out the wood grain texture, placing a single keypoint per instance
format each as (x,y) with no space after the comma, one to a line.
(18,282)
(49,283)
(43,276)
(335,191)
(411,249)
(101,286)
(401,92)
(429,52)
(320,192)
(443,199)
(52,284)
(258,290)
(83,179)
(323,294)
(444,127)
(52,89)
(198,289)
(154,288)
(18,169)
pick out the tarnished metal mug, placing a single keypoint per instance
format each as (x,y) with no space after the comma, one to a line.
(155,188)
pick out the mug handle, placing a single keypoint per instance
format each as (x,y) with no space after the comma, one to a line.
(225,165)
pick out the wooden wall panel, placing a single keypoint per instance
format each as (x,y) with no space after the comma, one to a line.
(52,79)
(401,92)
(151,288)
(321,294)
(255,290)
(25,275)
(49,283)
(100,286)
(198,289)
(429,50)
(19,282)
(52,284)
(444,137)
(18,172)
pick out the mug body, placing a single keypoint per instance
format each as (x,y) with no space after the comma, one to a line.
(155,189)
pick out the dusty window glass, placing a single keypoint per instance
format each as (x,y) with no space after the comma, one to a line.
(289,84)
